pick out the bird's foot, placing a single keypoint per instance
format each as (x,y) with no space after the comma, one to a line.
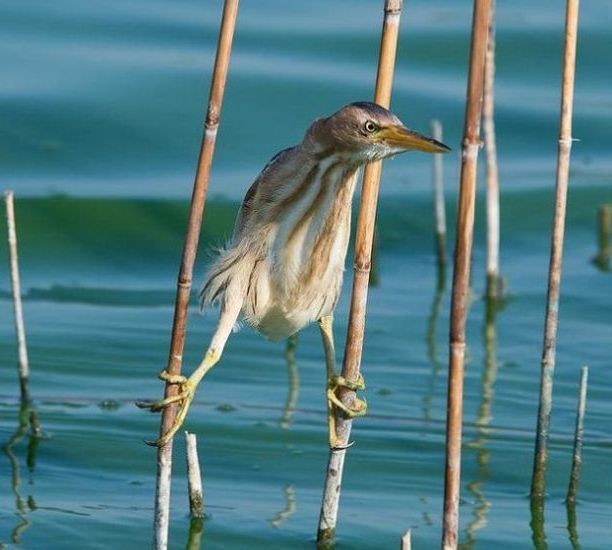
(183,398)
(357,408)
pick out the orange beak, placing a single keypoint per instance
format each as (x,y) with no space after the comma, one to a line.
(402,137)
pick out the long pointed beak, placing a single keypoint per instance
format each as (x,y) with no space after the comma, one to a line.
(402,137)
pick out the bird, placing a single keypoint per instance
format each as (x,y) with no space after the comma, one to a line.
(283,266)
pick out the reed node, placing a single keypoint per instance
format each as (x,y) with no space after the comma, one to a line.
(196,212)
(461,274)
(538,480)
(363,259)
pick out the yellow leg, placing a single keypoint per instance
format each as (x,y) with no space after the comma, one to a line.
(184,397)
(334,381)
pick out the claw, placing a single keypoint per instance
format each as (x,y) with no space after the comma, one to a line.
(339,381)
(172,378)
(183,398)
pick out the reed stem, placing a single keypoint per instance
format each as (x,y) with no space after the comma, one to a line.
(196,212)
(439,204)
(363,256)
(572,489)
(461,275)
(492,175)
(24,368)
(194,478)
(538,480)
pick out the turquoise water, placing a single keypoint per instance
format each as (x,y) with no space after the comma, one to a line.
(101,108)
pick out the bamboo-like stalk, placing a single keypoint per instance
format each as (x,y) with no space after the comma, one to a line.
(194,478)
(363,256)
(217,88)
(24,368)
(492,177)
(461,275)
(572,489)
(439,204)
(538,480)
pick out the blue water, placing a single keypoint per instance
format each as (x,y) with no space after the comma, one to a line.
(102,107)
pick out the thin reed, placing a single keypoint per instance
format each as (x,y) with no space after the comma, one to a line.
(538,480)
(572,489)
(439,204)
(22,349)
(492,173)
(196,212)
(461,275)
(363,257)
(194,477)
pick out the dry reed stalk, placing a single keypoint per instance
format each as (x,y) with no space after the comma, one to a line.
(363,256)
(24,368)
(538,480)
(439,205)
(461,275)
(572,489)
(217,88)
(194,478)
(492,178)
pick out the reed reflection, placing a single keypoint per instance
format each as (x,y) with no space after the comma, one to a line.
(483,422)
(288,510)
(431,339)
(196,530)
(26,418)
(294,383)
(572,528)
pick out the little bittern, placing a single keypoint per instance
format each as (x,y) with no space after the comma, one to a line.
(282,270)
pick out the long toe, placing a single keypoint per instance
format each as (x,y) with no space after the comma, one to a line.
(355,385)
(186,397)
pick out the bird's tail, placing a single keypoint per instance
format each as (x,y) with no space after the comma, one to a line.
(231,268)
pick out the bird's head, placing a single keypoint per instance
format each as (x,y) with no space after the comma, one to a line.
(367,132)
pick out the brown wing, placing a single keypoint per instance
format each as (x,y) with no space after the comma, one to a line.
(249,203)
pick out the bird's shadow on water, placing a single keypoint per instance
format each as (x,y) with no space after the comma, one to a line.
(27,425)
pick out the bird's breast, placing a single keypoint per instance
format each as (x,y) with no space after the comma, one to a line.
(307,253)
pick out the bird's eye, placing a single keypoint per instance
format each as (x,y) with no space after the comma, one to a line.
(370,127)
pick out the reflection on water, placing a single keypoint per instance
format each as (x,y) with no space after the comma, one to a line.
(431,339)
(23,507)
(288,510)
(572,528)
(483,421)
(294,382)
(196,530)
(604,253)
(538,534)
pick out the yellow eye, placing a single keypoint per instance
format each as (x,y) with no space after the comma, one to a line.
(370,127)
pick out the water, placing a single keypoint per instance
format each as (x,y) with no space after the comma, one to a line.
(102,108)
